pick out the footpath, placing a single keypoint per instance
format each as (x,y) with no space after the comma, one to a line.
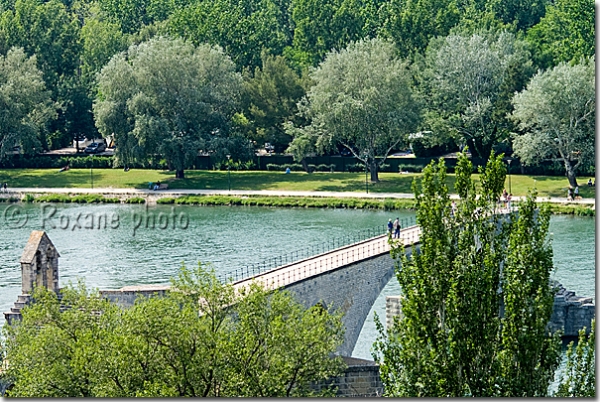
(155,194)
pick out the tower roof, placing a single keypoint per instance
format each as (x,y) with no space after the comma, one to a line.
(37,239)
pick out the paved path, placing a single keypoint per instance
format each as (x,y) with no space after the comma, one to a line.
(277,193)
(299,270)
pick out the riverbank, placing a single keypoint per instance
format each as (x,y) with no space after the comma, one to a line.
(287,199)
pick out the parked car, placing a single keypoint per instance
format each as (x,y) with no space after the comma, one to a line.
(95,147)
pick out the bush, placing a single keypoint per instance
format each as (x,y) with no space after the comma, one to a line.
(411,168)
(166,200)
(28,198)
(53,198)
(325,168)
(356,167)
(135,200)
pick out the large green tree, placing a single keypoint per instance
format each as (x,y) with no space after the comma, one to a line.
(170,98)
(50,32)
(468,82)
(25,105)
(242,28)
(566,33)
(556,118)
(201,339)
(476,299)
(362,100)
(579,378)
(412,23)
(269,100)
(324,26)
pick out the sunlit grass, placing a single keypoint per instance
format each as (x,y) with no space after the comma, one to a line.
(547,186)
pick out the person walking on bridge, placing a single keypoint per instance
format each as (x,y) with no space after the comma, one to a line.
(390,226)
(397,228)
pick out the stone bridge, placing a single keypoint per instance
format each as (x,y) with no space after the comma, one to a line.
(347,276)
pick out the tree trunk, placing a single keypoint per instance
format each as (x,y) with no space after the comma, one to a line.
(179,174)
(374,171)
(570,173)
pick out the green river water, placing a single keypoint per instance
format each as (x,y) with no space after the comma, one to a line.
(227,237)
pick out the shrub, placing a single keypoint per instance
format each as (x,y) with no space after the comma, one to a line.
(135,200)
(166,200)
(54,198)
(28,198)
(326,168)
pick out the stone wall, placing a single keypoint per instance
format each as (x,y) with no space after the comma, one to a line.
(352,289)
(361,379)
(125,297)
(570,313)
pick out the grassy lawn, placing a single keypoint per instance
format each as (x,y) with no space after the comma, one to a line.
(251,180)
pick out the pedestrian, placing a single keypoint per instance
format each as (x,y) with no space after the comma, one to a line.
(570,194)
(453,209)
(576,192)
(397,228)
(5,187)
(390,227)
(508,200)
(590,182)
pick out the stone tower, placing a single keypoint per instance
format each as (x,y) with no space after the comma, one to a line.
(39,267)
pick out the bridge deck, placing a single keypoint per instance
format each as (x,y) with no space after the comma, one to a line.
(329,261)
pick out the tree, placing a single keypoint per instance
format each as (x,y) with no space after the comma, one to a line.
(270,98)
(362,100)
(580,371)
(170,98)
(25,104)
(323,26)
(201,339)
(566,33)
(476,299)
(51,33)
(556,118)
(242,28)
(412,23)
(468,83)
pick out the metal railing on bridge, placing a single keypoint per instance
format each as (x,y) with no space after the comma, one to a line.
(310,251)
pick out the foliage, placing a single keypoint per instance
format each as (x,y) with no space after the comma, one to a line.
(412,23)
(324,26)
(565,34)
(243,29)
(170,98)
(203,338)
(269,100)
(468,83)
(453,338)
(580,378)
(362,100)
(556,116)
(25,105)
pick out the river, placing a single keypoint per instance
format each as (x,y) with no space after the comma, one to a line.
(127,252)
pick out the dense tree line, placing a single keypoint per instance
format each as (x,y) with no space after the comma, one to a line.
(465,60)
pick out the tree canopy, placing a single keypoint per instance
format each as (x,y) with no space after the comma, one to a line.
(468,82)
(25,105)
(556,117)
(361,99)
(170,98)
(201,339)
(476,299)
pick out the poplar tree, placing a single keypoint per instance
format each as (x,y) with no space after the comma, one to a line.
(476,298)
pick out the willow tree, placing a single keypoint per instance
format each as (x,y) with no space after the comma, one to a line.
(170,98)
(556,116)
(25,104)
(476,298)
(361,100)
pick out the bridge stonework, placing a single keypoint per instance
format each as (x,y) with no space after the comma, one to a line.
(351,289)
